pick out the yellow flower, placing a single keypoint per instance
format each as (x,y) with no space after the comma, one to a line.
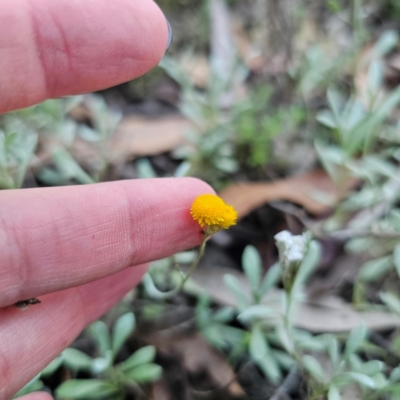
(211,211)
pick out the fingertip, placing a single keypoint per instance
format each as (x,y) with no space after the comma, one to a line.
(66,47)
(122,41)
(198,185)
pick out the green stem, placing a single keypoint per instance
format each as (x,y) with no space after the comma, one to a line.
(158,294)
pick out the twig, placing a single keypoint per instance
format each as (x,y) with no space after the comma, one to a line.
(291,382)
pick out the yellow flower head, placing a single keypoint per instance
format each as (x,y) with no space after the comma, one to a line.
(210,210)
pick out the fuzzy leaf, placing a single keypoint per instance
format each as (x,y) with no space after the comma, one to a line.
(145,373)
(356,337)
(123,328)
(252,266)
(82,389)
(142,356)
(314,368)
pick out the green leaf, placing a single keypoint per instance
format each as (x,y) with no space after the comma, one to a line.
(142,356)
(258,311)
(283,359)
(333,350)
(6,181)
(25,156)
(355,113)
(152,291)
(144,169)
(311,343)
(123,328)
(227,164)
(101,364)
(76,359)
(145,373)
(185,257)
(380,380)
(326,118)
(391,300)
(3,152)
(233,284)
(86,389)
(100,333)
(355,339)
(270,280)
(252,266)
(261,354)
(375,76)
(396,259)
(335,101)
(365,131)
(224,315)
(183,169)
(333,393)
(371,368)
(331,157)
(355,362)
(394,389)
(285,339)
(362,379)
(386,42)
(308,264)
(69,167)
(375,269)
(314,368)
(395,375)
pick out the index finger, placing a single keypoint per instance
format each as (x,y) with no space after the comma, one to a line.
(55,238)
(53,48)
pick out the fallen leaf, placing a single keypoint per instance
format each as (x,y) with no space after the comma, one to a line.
(160,391)
(394,61)
(198,358)
(81,112)
(315,191)
(325,314)
(197,68)
(138,136)
(351,392)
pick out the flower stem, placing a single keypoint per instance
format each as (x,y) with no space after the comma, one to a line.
(155,293)
(194,264)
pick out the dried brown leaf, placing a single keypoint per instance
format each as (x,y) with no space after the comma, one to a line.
(138,136)
(160,391)
(197,68)
(306,190)
(198,357)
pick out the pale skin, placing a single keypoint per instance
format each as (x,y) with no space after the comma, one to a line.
(78,249)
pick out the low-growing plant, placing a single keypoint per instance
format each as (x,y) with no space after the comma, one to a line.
(110,380)
(225,138)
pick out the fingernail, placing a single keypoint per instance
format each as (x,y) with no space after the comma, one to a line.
(170,36)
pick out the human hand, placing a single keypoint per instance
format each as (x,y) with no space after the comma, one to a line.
(79,248)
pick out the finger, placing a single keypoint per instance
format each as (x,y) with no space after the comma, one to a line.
(36,396)
(30,339)
(55,48)
(55,238)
